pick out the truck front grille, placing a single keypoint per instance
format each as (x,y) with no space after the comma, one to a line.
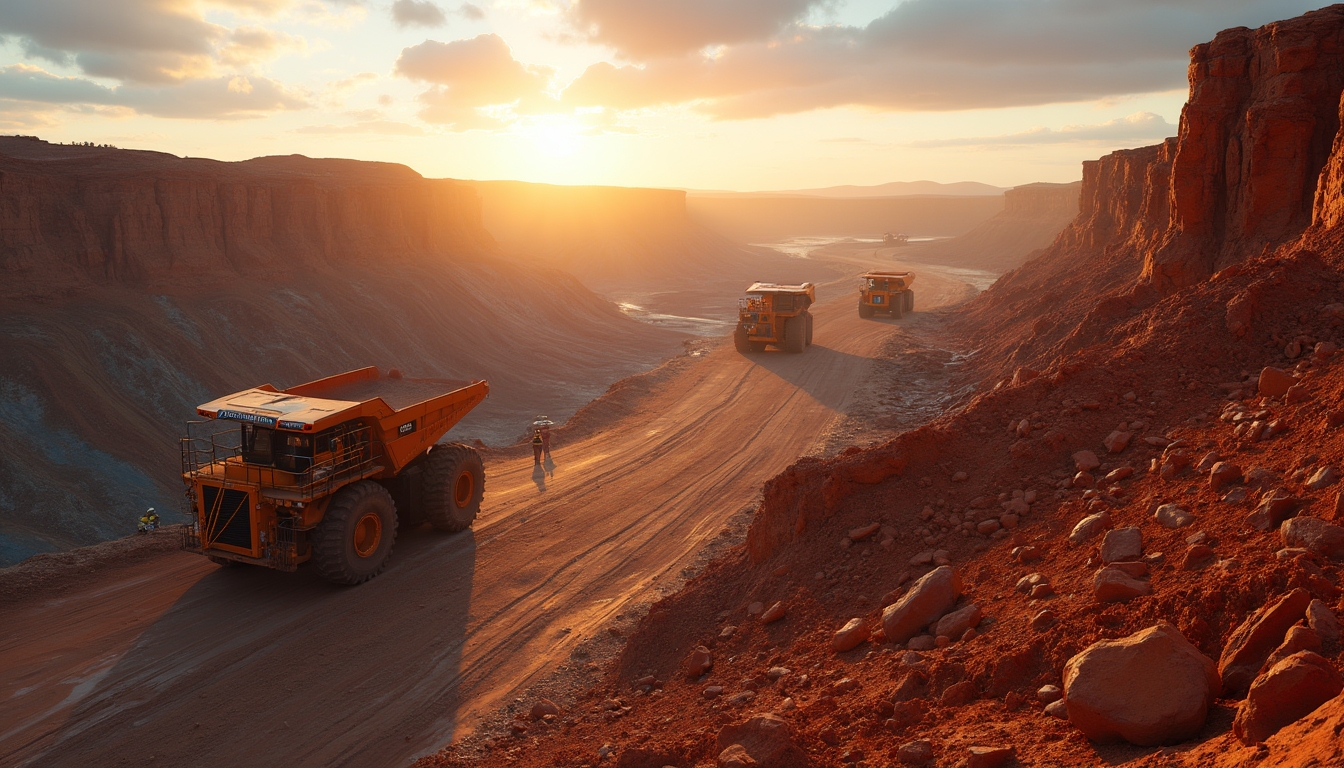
(227,517)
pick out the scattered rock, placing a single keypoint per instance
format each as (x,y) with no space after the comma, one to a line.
(712,691)
(1256,638)
(1151,688)
(1043,620)
(1173,516)
(1041,591)
(1290,690)
(988,757)
(1323,478)
(850,636)
(543,707)
(1122,544)
(1049,693)
(859,534)
(1118,474)
(1222,474)
(736,756)
(958,695)
(1274,382)
(921,558)
(699,662)
(774,613)
(766,738)
(1028,554)
(956,623)
(1206,464)
(756,608)
(1085,461)
(1117,441)
(1275,506)
(915,752)
(912,686)
(1197,557)
(1313,534)
(986,527)
(1322,619)
(1090,526)
(1299,638)
(1058,709)
(922,643)
(925,602)
(959,477)
(1113,585)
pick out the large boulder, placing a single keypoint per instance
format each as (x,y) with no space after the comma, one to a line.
(1150,688)
(1314,534)
(1289,691)
(1256,638)
(926,601)
(1113,585)
(765,738)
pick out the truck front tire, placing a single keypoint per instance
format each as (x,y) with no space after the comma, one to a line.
(354,540)
(454,486)
(795,334)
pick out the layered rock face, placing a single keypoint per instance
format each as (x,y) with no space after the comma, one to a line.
(1255,134)
(74,215)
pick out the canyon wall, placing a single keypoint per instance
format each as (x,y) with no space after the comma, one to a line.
(136,285)
(1249,171)
(749,219)
(1032,216)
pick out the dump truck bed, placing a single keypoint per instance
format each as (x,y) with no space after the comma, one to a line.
(399,394)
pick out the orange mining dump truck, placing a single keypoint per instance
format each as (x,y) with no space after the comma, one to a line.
(324,472)
(775,314)
(886,292)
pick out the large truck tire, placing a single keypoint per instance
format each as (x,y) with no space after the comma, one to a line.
(808,315)
(354,540)
(740,340)
(865,310)
(898,305)
(454,486)
(909,301)
(795,334)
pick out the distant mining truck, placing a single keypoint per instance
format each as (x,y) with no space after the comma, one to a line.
(325,472)
(775,314)
(886,292)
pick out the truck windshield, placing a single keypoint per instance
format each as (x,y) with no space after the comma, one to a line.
(257,445)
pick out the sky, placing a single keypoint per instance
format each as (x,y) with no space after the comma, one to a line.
(700,94)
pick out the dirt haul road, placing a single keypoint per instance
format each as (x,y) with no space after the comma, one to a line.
(175,661)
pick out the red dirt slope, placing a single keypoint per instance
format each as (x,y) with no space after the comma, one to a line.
(1147,359)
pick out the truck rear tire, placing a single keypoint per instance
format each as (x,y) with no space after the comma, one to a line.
(864,309)
(744,344)
(354,540)
(809,328)
(454,486)
(909,301)
(795,334)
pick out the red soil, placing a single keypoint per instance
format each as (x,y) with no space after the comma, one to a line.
(1127,323)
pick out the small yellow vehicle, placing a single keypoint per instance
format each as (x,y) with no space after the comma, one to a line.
(886,292)
(325,472)
(775,314)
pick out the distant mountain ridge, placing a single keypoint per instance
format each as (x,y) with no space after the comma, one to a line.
(890,189)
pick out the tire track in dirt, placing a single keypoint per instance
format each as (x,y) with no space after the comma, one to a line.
(205,666)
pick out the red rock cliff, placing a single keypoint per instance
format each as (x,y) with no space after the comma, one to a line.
(85,214)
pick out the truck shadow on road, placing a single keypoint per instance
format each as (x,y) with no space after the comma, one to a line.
(826,374)
(257,667)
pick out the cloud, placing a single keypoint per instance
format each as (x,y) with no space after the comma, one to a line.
(920,55)
(1140,126)
(643,28)
(417,13)
(228,97)
(469,77)
(249,45)
(382,127)
(471,12)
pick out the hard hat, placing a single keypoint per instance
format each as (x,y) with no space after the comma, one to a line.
(149,511)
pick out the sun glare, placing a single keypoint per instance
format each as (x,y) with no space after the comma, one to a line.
(557,138)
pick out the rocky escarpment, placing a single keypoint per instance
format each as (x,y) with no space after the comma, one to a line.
(1240,179)
(136,285)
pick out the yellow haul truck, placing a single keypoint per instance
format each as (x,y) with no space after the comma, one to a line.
(775,314)
(886,292)
(324,472)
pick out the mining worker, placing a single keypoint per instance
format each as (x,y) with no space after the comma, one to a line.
(148,521)
(537,444)
(546,441)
